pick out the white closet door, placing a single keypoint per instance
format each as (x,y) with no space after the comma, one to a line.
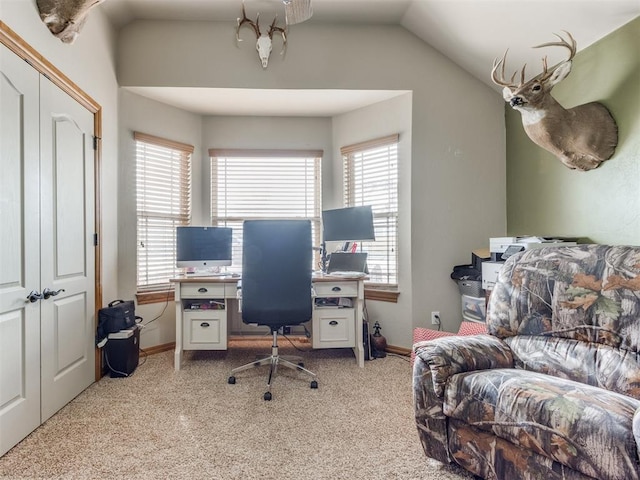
(19,249)
(68,253)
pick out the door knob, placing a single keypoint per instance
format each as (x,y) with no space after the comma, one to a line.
(46,293)
(34,296)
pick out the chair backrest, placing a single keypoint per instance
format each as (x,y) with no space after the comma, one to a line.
(276,272)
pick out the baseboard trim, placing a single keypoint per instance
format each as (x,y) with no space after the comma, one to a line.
(171,346)
(398,350)
(159,348)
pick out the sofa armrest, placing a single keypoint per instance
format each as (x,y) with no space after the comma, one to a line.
(450,355)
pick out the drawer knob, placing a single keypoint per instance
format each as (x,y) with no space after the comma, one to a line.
(205,324)
(202,290)
(336,289)
(333,323)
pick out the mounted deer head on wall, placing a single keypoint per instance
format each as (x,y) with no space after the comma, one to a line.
(65,18)
(264,43)
(582,137)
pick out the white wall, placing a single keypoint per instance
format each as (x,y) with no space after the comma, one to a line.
(457,145)
(376,121)
(147,116)
(89,63)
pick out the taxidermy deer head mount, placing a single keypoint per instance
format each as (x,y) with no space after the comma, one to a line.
(263,45)
(65,18)
(581,137)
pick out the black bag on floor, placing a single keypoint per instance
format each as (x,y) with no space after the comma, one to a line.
(119,315)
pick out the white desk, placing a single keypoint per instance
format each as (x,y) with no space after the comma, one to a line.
(202,306)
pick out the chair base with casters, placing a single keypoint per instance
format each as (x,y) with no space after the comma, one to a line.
(274,360)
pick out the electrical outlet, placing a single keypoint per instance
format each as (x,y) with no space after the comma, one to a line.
(435,318)
(286,330)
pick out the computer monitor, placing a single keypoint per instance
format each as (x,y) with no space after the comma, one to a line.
(348,224)
(203,247)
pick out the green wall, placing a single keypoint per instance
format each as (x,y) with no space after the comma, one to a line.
(603,205)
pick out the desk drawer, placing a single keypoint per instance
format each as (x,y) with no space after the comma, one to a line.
(336,289)
(205,330)
(333,328)
(197,290)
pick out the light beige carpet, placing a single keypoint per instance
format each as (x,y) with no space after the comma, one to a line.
(160,424)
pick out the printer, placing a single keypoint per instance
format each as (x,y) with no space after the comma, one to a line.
(501,248)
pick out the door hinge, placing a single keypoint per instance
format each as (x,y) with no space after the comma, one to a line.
(95,142)
(95,239)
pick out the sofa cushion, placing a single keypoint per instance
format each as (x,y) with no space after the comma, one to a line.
(583,427)
(602,366)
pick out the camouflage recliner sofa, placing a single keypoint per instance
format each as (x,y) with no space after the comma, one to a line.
(553,391)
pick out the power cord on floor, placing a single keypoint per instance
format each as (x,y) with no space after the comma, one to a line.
(400,356)
(305,350)
(144,357)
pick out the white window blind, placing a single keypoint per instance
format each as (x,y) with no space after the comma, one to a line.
(264,184)
(371,178)
(163,196)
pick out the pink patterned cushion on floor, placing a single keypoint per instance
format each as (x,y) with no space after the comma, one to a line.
(466,328)
(472,328)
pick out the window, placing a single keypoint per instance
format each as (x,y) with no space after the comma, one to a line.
(371,178)
(163,196)
(264,184)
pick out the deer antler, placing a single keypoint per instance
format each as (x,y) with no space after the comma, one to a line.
(571,46)
(562,43)
(501,80)
(241,21)
(264,43)
(283,31)
(546,73)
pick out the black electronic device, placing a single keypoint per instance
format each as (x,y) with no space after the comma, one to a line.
(347,262)
(347,224)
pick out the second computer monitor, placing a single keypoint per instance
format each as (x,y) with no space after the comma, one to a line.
(348,224)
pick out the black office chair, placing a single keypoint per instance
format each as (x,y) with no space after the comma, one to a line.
(276,285)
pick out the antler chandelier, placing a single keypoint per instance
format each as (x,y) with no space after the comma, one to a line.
(295,11)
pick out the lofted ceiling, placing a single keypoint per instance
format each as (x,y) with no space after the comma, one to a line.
(469,32)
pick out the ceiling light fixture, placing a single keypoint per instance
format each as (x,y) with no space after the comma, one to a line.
(297,11)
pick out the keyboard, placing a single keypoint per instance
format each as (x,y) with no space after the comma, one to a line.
(212,275)
(347,274)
